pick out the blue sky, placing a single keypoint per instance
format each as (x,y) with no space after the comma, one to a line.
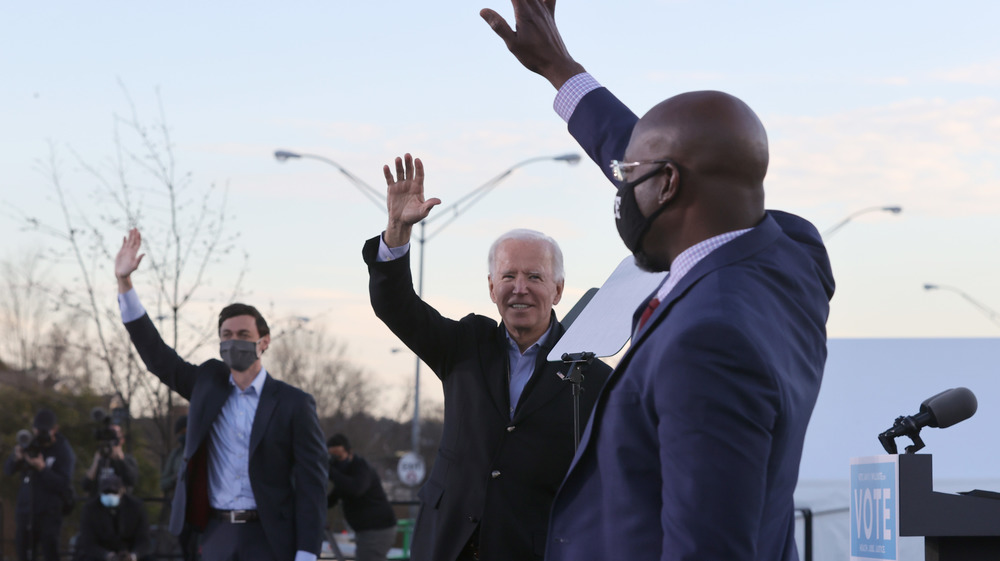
(866,104)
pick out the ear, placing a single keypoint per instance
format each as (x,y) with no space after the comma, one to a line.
(670,186)
(265,342)
(559,291)
(493,296)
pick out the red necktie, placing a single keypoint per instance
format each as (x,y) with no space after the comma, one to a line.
(648,311)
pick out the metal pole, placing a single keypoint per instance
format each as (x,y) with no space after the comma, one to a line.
(416,375)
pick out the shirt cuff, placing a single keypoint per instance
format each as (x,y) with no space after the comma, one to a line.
(571,92)
(304,556)
(130,306)
(386,253)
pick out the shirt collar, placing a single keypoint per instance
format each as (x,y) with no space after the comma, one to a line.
(539,343)
(691,256)
(257,384)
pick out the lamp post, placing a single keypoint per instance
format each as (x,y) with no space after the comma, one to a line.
(373,194)
(452,211)
(989,312)
(830,231)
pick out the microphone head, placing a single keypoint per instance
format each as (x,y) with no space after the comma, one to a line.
(950,407)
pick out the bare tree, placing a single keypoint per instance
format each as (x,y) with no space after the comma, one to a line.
(185,233)
(23,309)
(318,364)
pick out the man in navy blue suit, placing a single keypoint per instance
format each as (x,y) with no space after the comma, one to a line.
(252,480)
(693,447)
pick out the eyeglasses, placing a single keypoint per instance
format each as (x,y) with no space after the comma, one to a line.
(620,169)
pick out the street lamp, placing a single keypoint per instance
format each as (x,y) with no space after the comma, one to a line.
(373,194)
(452,211)
(989,312)
(830,231)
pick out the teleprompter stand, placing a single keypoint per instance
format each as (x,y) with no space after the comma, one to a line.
(602,327)
(956,527)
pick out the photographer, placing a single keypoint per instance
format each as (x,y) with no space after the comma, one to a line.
(113,525)
(110,457)
(44,460)
(366,507)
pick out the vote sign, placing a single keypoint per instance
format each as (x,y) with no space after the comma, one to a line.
(874,507)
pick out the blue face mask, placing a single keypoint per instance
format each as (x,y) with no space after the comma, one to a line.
(110,500)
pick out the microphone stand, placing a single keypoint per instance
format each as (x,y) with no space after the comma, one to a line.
(903,426)
(579,361)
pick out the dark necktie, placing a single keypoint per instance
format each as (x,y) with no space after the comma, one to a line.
(648,311)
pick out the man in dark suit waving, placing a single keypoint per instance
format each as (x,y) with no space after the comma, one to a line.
(694,445)
(508,418)
(253,478)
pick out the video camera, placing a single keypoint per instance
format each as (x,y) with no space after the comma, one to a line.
(31,444)
(106,436)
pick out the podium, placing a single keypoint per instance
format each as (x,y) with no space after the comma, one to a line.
(956,527)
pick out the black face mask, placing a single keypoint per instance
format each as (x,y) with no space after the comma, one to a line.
(632,225)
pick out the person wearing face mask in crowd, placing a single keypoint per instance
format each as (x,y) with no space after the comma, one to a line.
(45,468)
(508,417)
(694,445)
(366,508)
(113,525)
(253,475)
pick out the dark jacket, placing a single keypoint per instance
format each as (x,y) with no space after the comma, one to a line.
(51,487)
(492,472)
(104,530)
(287,454)
(127,469)
(365,504)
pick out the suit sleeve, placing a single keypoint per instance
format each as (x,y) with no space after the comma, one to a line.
(715,416)
(602,125)
(163,361)
(310,472)
(419,326)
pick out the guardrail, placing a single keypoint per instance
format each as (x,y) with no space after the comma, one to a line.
(808,515)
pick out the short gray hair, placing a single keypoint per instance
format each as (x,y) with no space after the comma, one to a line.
(530,235)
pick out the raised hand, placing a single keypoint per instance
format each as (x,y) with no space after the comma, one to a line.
(405,199)
(535,41)
(127,260)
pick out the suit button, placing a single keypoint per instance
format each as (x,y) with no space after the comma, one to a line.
(495,474)
(510,428)
(471,518)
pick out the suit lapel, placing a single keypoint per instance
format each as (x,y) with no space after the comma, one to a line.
(740,248)
(544,383)
(497,371)
(265,408)
(203,414)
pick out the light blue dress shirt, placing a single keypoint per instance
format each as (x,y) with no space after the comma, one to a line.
(522,366)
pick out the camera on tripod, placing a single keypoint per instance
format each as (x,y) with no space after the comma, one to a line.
(31,444)
(106,436)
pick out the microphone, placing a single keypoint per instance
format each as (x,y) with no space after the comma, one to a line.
(941,410)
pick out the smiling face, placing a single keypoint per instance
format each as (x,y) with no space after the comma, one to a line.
(524,288)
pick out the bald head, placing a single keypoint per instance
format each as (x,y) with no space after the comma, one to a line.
(712,134)
(714,181)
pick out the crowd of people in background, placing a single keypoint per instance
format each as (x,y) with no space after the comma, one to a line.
(114,524)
